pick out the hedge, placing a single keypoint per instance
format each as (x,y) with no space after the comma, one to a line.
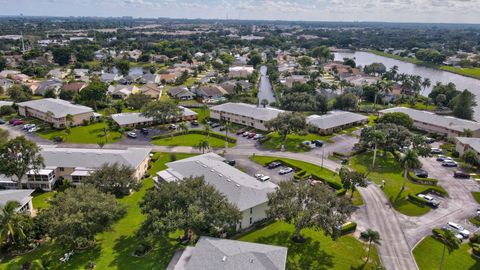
(197,131)
(417,200)
(348,227)
(438,190)
(438,233)
(422,181)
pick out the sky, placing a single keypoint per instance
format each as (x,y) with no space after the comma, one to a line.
(442,11)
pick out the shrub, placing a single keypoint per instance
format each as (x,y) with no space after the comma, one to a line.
(437,233)
(475,239)
(196,131)
(90,265)
(476,249)
(417,200)
(348,227)
(6,110)
(341,192)
(437,190)
(422,181)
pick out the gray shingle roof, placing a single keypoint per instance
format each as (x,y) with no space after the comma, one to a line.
(130,118)
(23,196)
(92,158)
(334,119)
(59,108)
(249,110)
(215,254)
(474,143)
(239,188)
(448,122)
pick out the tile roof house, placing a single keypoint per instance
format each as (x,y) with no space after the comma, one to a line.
(6,83)
(181,92)
(242,190)
(335,120)
(229,86)
(74,87)
(240,72)
(122,91)
(58,73)
(152,90)
(168,77)
(217,254)
(211,91)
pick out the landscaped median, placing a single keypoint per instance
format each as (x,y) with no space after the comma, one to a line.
(93,134)
(305,170)
(293,143)
(193,138)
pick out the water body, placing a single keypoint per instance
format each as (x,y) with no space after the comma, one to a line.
(435,75)
(265,90)
(133,71)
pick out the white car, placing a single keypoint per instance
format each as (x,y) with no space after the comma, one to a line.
(449,163)
(28,126)
(259,175)
(309,144)
(478,211)
(132,135)
(426,197)
(258,136)
(458,228)
(457,235)
(264,178)
(32,129)
(285,170)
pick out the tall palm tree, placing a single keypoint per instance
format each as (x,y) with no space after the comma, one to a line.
(228,128)
(207,130)
(203,145)
(10,228)
(183,127)
(408,162)
(426,83)
(372,237)
(450,242)
(378,137)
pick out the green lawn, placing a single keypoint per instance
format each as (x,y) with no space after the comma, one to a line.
(82,134)
(191,140)
(389,170)
(428,254)
(311,169)
(115,247)
(419,106)
(476,196)
(319,252)
(40,199)
(471,72)
(202,114)
(293,142)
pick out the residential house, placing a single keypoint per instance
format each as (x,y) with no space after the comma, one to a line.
(168,77)
(244,114)
(447,126)
(211,91)
(152,90)
(334,121)
(55,111)
(150,78)
(463,144)
(50,85)
(247,193)
(181,93)
(137,119)
(291,80)
(58,73)
(75,87)
(218,254)
(110,77)
(160,58)
(80,74)
(5,84)
(130,79)
(134,55)
(229,86)
(22,196)
(240,72)
(122,91)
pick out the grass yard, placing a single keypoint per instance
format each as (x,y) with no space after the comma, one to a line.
(82,134)
(115,247)
(293,142)
(40,199)
(319,252)
(428,254)
(389,170)
(191,140)
(476,196)
(471,72)
(311,169)
(419,106)
(202,114)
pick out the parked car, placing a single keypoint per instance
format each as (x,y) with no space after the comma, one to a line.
(172,127)
(420,173)
(309,144)
(215,125)
(457,235)
(285,170)
(28,126)
(240,131)
(144,131)
(429,140)
(222,128)
(11,121)
(245,134)
(32,129)
(258,136)
(273,165)
(431,201)
(194,123)
(251,135)
(344,161)
(461,174)
(318,143)
(449,163)
(132,135)
(18,122)
(259,175)
(436,150)
(264,178)
(457,227)
(231,162)
(478,211)
(442,158)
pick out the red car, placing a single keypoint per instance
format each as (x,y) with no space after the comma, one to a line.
(18,122)
(240,131)
(251,135)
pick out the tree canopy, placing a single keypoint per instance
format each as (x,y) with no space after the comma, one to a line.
(162,111)
(114,179)
(287,123)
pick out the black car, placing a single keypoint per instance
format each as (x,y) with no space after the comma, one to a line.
(231,162)
(194,123)
(318,143)
(144,131)
(214,125)
(461,174)
(421,173)
(274,165)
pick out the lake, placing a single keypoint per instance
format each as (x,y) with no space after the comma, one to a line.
(435,75)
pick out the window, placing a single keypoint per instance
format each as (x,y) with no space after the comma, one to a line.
(250,220)
(61,169)
(251,211)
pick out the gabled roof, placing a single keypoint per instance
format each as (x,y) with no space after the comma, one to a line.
(474,143)
(248,110)
(59,108)
(334,119)
(215,254)
(130,118)
(212,90)
(22,196)
(241,189)
(74,87)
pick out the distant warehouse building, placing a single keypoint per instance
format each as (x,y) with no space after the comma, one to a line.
(438,124)
(55,111)
(244,114)
(137,119)
(335,120)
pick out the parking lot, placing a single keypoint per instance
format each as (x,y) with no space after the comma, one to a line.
(252,168)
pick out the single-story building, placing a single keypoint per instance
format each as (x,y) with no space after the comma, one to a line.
(135,119)
(22,196)
(58,73)
(75,87)
(211,91)
(335,120)
(152,90)
(291,80)
(110,77)
(55,111)
(149,78)
(168,77)
(463,144)
(181,92)
(240,72)
(229,86)
(448,126)
(122,91)
(217,254)
(244,114)
(42,87)
(242,190)
(5,103)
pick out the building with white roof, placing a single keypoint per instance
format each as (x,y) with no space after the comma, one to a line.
(135,119)
(463,144)
(55,111)
(74,164)
(217,254)
(438,124)
(335,120)
(242,190)
(244,114)
(240,71)
(22,196)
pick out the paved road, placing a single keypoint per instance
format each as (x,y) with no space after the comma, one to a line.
(265,90)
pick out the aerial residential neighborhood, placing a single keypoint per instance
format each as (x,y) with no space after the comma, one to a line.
(265,135)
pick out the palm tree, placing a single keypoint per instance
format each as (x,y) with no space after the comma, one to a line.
(408,162)
(372,237)
(10,227)
(450,242)
(378,137)
(426,83)
(183,127)
(207,130)
(264,102)
(228,128)
(203,145)
(69,120)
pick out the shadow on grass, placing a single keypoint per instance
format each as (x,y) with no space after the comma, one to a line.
(306,255)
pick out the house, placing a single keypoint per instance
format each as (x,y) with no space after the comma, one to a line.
(5,84)
(180,92)
(8,74)
(463,144)
(240,72)
(447,126)
(244,114)
(75,87)
(229,86)
(149,78)
(22,196)
(58,73)
(44,86)
(152,90)
(110,77)
(80,73)
(74,164)
(134,119)
(211,91)
(134,55)
(291,80)
(247,193)
(55,111)
(334,121)
(130,79)
(217,254)
(122,91)
(168,77)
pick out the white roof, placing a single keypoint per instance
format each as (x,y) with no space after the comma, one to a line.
(448,122)
(334,119)
(5,103)
(241,189)
(59,108)
(474,143)
(22,196)
(242,68)
(81,173)
(248,110)
(130,118)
